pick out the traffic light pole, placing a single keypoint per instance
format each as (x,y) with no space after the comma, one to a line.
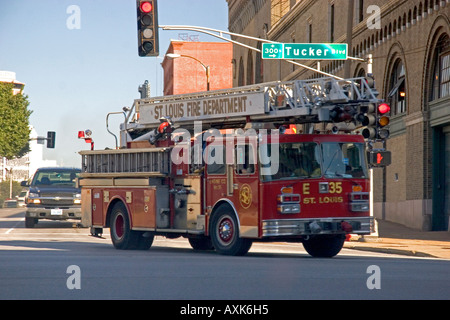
(50,139)
(211,31)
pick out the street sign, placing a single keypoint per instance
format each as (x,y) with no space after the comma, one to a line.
(305,51)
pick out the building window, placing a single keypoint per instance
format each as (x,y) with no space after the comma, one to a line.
(441,70)
(397,90)
(309,32)
(259,66)
(278,9)
(331,20)
(359,11)
(250,77)
(241,73)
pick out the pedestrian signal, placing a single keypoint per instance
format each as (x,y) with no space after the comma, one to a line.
(379,158)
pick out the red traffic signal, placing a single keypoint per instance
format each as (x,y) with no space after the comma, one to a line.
(146,7)
(384,108)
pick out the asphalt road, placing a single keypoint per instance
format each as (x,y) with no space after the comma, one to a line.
(56,260)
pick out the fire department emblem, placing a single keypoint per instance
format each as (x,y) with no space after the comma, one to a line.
(245,196)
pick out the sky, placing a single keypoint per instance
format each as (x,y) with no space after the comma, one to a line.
(74,76)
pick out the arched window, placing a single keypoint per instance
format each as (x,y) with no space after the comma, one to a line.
(259,66)
(397,88)
(441,69)
(250,76)
(241,72)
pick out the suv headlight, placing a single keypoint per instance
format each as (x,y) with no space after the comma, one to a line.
(33,198)
(77,198)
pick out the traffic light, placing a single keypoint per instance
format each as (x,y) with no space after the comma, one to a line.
(51,139)
(147,24)
(376,119)
(370,122)
(383,121)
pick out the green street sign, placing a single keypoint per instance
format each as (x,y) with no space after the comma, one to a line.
(305,51)
(272,50)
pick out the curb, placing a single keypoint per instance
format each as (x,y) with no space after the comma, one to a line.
(411,253)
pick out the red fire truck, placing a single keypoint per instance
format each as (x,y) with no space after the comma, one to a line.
(244,179)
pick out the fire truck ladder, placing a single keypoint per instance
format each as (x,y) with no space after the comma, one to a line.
(139,163)
(300,101)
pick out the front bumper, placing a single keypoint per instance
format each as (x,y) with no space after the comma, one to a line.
(310,226)
(54,213)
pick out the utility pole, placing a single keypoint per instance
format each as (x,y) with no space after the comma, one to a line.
(348,63)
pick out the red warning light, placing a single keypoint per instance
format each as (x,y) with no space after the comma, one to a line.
(384,108)
(146,7)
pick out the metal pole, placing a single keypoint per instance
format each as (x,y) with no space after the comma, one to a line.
(207,31)
(348,63)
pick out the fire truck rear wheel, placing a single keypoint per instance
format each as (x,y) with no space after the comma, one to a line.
(224,233)
(325,246)
(121,234)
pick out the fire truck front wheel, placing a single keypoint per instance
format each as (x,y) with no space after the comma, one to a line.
(324,246)
(121,234)
(224,233)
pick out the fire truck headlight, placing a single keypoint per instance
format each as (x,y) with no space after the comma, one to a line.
(77,198)
(288,208)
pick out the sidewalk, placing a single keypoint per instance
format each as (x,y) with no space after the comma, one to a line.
(398,239)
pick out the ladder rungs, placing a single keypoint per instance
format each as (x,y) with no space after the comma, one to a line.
(149,162)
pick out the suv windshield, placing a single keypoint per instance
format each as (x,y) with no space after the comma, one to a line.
(311,160)
(55,177)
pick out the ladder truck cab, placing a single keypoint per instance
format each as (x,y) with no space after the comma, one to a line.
(227,168)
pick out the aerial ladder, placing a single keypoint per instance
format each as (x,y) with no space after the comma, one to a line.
(344,104)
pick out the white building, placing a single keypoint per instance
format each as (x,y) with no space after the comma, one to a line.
(9,76)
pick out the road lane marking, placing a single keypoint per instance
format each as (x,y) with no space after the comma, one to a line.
(11,229)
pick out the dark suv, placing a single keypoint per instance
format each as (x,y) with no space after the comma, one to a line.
(52,195)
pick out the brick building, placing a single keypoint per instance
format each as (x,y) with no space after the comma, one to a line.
(410,43)
(188,73)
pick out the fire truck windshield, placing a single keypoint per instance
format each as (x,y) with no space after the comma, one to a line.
(345,160)
(311,160)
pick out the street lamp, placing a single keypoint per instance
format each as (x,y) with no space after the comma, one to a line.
(176,55)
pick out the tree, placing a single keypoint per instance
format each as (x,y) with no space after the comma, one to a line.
(14,123)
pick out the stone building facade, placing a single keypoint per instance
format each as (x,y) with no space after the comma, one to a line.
(410,44)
